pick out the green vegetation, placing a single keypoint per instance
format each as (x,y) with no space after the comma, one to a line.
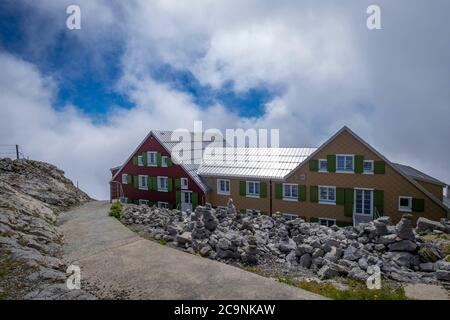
(162,242)
(116,210)
(251,269)
(356,291)
(446,249)
(432,236)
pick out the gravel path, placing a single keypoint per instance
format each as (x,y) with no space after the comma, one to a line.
(117,263)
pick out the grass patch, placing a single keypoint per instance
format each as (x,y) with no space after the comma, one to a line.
(356,291)
(251,269)
(162,242)
(433,236)
(116,210)
(446,249)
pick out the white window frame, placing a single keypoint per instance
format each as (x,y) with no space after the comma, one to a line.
(371,202)
(364,170)
(164,161)
(327,201)
(326,166)
(150,164)
(124,178)
(290,198)
(143,202)
(183,185)
(405,209)
(220,191)
(247,189)
(345,170)
(327,220)
(158,182)
(290,216)
(142,187)
(163,205)
(140,161)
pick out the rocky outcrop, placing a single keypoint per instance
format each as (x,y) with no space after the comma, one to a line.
(32,193)
(225,235)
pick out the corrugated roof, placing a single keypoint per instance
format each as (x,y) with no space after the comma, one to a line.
(195,147)
(416,174)
(257,163)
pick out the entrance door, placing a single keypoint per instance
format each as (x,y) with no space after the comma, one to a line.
(363,206)
(186,200)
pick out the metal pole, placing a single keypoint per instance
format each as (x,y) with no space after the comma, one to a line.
(17,151)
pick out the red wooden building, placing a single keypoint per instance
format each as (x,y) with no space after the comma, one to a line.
(149,176)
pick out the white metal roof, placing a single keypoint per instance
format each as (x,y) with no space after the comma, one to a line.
(416,174)
(257,163)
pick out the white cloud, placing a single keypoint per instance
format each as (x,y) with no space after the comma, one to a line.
(389,85)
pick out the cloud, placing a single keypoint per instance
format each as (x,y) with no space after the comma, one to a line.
(389,85)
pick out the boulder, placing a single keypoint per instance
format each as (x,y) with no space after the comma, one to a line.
(182,239)
(381,225)
(352,253)
(429,253)
(305,261)
(327,271)
(427,225)
(404,228)
(358,274)
(403,245)
(427,267)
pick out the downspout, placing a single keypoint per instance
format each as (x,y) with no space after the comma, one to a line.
(270,198)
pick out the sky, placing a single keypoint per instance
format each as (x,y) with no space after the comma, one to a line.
(84,99)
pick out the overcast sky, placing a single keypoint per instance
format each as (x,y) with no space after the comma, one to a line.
(83,99)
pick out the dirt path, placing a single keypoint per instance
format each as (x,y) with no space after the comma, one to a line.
(122,264)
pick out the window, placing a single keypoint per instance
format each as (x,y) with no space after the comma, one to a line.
(323,165)
(327,222)
(143,182)
(184,183)
(143,202)
(151,158)
(405,204)
(344,163)
(252,212)
(327,195)
(124,178)
(124,200)
(163,161)
(368,166)
(223,187)
(289,216)
(163,205)
(363,201)
(253,188)
(162,183)
(140,161)
(290,191)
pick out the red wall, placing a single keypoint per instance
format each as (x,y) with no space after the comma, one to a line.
(175,172)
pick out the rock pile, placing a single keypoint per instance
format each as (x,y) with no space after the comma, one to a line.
(31,195)
(223,234)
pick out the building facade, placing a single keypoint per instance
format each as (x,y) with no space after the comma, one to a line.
(345,181)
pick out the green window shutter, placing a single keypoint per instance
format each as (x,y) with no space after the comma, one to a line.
(136,181)
(169,184)
(378,200)
(349,199)
(301,193)
(152,203)
(313,193)
(194,200)
(129,200)
(178,183)
(158,159)
(359,160)
(340,195)
(144,158)
(379,167)
(152,183)
(343,223)
(169,162)
(242,188)
(331,163)
(135,161)
(263,189)
(418,205)
(129,179)
(278,191)
(170,206)
(313,220)
(314,165)
(136,201)
(178,199)
(149,183)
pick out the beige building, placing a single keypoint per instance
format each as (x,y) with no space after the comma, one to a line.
(345,181)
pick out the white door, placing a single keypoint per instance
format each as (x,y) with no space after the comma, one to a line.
(186,200)
(363,209)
